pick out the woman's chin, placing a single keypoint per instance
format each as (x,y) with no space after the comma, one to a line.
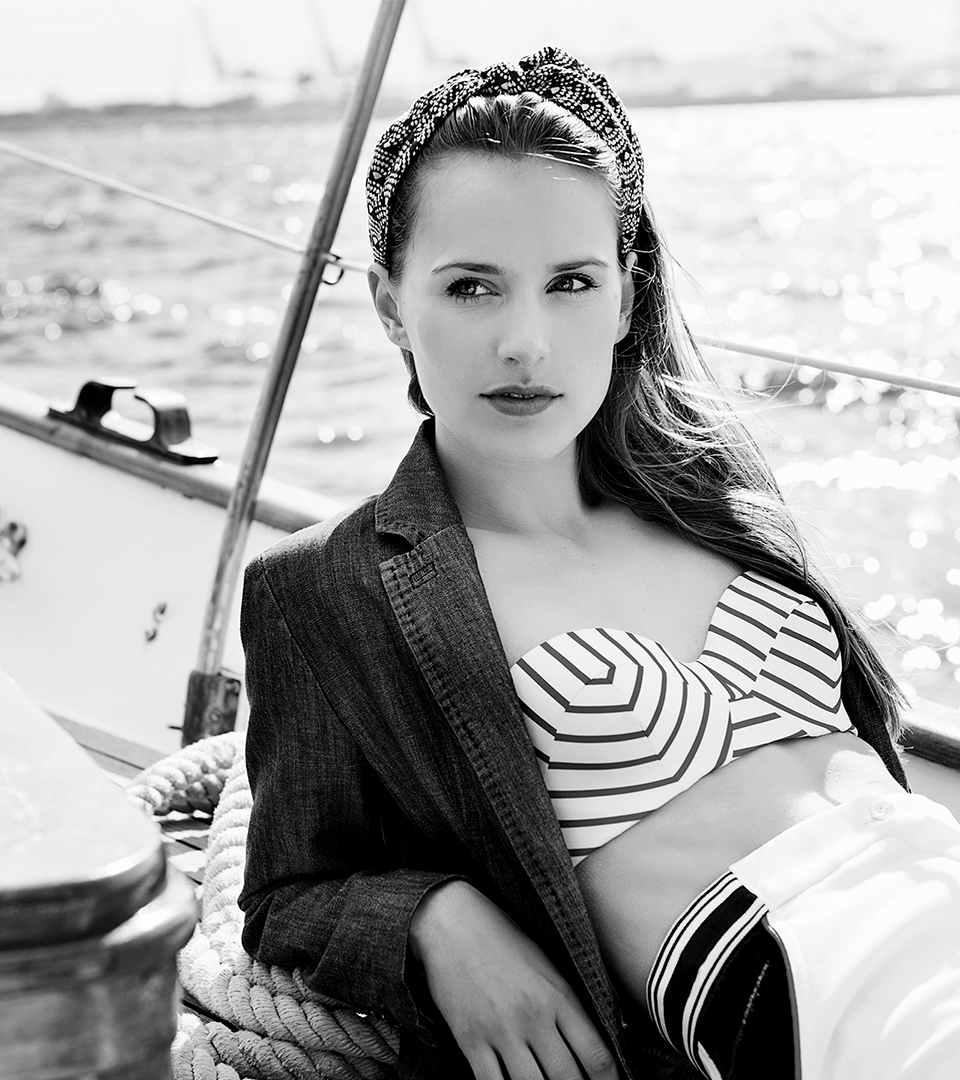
(508,438)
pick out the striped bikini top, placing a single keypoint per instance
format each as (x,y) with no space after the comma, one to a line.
(620,727)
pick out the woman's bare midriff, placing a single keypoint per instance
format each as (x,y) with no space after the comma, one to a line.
(639,883)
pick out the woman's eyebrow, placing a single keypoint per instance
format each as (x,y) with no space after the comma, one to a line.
(577,263)
(490,269)
(474,268)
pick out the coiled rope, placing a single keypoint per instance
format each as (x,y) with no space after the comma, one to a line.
(274,1027)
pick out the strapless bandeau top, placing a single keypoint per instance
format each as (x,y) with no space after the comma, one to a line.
(620,727)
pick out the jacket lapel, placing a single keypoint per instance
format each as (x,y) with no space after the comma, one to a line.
(439,601)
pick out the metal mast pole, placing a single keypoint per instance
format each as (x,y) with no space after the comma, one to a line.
(212,695)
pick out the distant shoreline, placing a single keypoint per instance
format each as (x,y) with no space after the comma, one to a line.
(248,108)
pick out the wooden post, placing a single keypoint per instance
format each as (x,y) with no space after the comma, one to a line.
(91,917)
(264,426)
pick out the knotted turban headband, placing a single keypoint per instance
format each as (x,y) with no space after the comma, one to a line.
(551,73)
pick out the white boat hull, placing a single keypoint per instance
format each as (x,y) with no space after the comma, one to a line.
(103,625)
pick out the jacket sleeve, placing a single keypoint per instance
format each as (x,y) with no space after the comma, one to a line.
(320,893)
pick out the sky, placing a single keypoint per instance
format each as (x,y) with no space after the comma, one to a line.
(93,52)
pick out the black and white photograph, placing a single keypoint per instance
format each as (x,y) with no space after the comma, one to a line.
(479,540)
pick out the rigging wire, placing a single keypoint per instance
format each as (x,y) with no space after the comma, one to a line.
(881,375)
(171,204)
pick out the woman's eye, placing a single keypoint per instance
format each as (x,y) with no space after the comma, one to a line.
(468,289)
(573,283)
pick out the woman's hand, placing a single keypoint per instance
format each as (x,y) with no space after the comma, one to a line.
(512,1013)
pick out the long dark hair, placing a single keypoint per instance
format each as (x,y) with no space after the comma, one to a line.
(665,441)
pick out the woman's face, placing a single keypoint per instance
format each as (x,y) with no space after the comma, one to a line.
(511,300)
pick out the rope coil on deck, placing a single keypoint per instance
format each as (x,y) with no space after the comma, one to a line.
(274,1027)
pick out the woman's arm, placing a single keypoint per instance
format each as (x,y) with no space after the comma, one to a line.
(319,891)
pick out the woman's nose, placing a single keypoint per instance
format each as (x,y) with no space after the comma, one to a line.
(523,338)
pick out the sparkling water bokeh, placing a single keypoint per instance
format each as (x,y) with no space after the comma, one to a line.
(829,227)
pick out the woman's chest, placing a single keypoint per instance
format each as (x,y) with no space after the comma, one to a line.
(666,592)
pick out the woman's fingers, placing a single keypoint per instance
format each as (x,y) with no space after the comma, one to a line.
(547,1053)
(569,1049)
(485,1064)
(546,1062)
(594,1057)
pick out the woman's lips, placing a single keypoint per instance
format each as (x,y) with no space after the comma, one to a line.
(521,400)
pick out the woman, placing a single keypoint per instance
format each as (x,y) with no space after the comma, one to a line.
(562,759)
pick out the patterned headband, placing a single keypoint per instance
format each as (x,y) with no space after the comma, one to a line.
(551,73)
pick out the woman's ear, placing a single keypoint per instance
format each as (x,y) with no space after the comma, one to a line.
(627,295)
(385,300)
